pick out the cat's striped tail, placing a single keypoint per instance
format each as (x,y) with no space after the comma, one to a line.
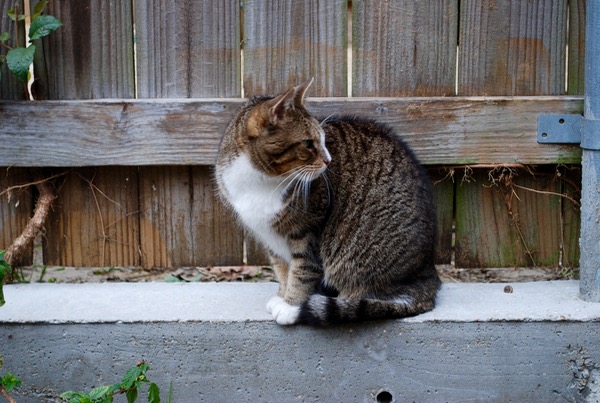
(323,310)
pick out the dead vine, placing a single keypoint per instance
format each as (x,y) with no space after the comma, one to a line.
(503,178)
(17,251)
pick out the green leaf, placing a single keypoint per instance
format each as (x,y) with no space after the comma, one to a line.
(9,382)
(153,393)
(100,392)
(42,26)
(19,60)
(4,36)
(4,270)
(39,9)
(12,14)
(130,377)
(131,395)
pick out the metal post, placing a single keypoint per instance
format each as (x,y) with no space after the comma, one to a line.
(589,241)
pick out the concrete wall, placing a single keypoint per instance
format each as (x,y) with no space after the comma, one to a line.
(214,342)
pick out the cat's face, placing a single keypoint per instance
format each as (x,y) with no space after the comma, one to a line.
(283,139)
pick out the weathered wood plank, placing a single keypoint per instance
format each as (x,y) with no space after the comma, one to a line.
(576,66)
(288,41)
(404,48)
(443,192)
(187,132)
(16,206)
(10,86)
(91,56)
(188,48)
(165,213)
(95,220)
(512,47)
(509,217)
(217,239)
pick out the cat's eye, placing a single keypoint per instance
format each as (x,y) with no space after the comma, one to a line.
(308,144)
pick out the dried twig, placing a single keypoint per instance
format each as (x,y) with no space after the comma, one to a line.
(15,253)
(5,394)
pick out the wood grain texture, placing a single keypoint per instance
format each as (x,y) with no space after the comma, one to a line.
(509,224)
(512,47)
(188,48)
(576,66)
(95,220)
(182,222)
(16,206)
(188,132)
(10,86)
(443,192)
(91,56)
(217,239)
(404,48)
(288,41)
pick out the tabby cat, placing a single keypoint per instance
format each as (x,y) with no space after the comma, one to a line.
(343,207)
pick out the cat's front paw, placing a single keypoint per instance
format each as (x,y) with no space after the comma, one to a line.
(283,313)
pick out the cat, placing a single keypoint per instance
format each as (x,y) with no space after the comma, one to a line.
(343,207)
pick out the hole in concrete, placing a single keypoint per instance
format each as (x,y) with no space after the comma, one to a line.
(544,135)
(561,121)
(384,397)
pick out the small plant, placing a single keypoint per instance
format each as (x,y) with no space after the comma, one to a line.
(130,385)
(19,58)
(7,383)
(5,271)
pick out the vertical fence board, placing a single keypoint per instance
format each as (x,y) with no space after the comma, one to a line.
(188,48)
(95,219)
(288,41)
(576,67)
(165,212)
(404,48)
(483,226)
(443,191)
(91,56)
(514,223)
(218,241)
(512,47)
(15,206)
(10,87)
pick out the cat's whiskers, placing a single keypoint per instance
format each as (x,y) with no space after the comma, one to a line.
(326,119)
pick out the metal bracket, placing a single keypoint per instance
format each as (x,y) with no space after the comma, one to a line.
(559,129)
(568,129)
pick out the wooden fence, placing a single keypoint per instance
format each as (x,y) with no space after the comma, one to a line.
(462,81)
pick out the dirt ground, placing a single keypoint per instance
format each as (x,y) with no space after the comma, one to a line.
(261,273)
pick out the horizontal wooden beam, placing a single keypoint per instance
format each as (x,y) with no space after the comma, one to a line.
(442,131)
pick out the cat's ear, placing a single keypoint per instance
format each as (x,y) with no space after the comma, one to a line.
(279,105)
(300,91)
(294,97)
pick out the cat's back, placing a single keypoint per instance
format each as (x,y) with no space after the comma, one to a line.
(371,154)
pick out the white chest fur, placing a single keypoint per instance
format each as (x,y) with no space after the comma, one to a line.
(257,199)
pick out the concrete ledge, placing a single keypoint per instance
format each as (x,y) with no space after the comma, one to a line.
(215,342)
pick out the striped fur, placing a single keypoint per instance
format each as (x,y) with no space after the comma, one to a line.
(344,208)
